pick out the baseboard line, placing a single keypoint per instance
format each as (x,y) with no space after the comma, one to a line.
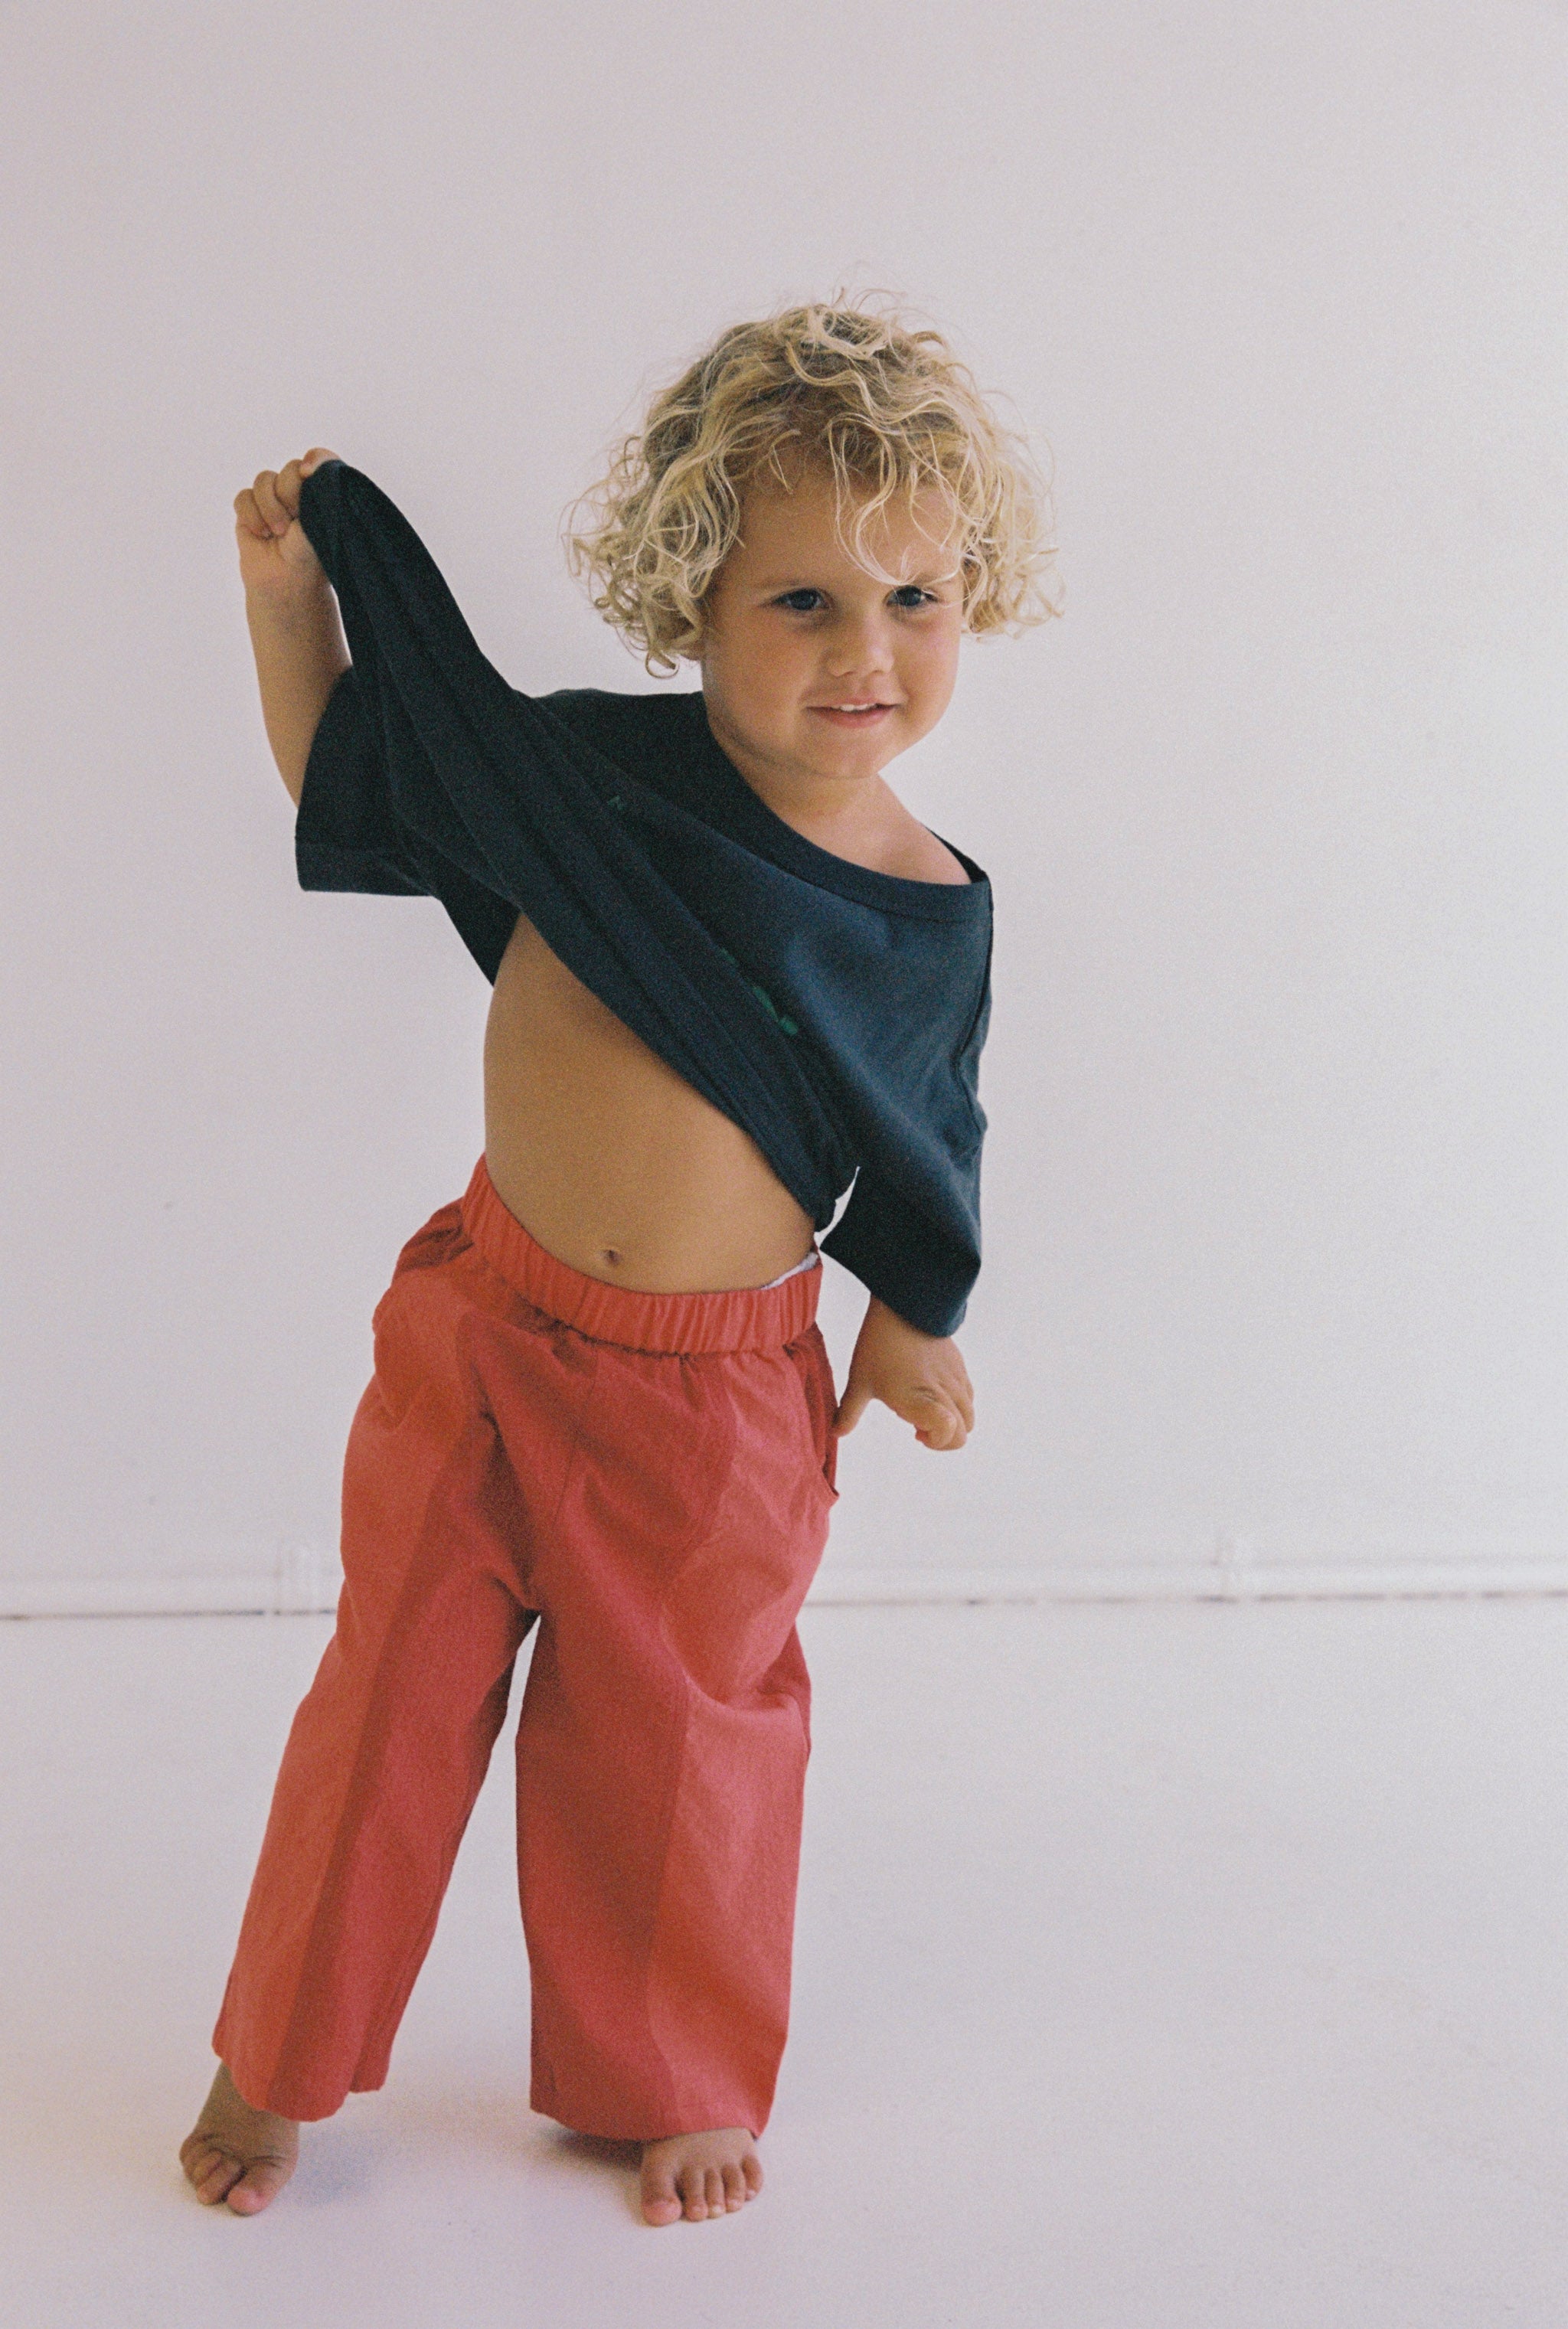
(1197,1581)
(303,1585)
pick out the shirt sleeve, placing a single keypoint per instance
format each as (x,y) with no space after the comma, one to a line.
(446,780)
(920,1265)
(347,832)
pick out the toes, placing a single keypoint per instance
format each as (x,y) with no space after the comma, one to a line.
(257,2184)
(660,2203)
(216,2177)
(699,2188)
(197,2153)
(218,2174)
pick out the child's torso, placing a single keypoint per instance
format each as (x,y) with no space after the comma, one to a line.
(608,1158)
(821,997)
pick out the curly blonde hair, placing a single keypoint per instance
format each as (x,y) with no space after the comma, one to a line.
(857,390)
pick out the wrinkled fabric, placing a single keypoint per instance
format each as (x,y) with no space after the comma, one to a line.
(835,1014)
(648,1478)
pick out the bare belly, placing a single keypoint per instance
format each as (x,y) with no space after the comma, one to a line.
(611,1160)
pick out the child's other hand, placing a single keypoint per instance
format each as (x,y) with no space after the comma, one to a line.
(922,1377)
(275,554)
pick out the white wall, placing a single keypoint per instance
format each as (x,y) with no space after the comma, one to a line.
(1274,1190)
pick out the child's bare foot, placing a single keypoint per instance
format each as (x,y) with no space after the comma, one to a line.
(699,2175)
(236,2154)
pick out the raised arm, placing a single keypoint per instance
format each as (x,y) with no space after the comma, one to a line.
(296,631)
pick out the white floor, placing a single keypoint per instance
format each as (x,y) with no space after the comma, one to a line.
(1156,1966)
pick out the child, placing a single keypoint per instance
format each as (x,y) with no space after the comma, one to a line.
(732,973)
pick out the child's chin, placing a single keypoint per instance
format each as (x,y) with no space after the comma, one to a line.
(837,748)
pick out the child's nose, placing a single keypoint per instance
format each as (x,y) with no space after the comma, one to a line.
(860,645)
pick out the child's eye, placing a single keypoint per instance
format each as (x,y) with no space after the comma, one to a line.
(806,601)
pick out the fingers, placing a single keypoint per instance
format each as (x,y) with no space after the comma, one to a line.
(961,1396)
(948,1428)
(939,1417)
(269,506)
(958,1388)
(292,473)
(248,515)
(852,1407)
(275,514)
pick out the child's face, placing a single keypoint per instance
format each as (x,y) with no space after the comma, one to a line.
(812,667)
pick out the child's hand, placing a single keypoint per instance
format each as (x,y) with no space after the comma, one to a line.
(275,554)
(922,1377)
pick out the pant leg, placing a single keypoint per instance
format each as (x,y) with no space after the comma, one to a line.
(388,1750)
(663,1743)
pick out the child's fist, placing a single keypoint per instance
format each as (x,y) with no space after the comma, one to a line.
(275,555)
(922,1377)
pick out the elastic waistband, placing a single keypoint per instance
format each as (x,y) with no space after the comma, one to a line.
(743,1318)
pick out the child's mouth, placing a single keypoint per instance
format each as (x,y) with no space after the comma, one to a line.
(850,715)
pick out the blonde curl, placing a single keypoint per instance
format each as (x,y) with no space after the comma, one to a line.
(878,401)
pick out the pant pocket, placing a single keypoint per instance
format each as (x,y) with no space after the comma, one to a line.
(815,1371)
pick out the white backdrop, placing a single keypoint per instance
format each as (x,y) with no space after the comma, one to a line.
(1274,1188)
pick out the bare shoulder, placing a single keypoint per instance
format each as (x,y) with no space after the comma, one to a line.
(886,840)
(914,855)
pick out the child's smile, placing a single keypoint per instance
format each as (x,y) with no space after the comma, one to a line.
(852,715)
(816,674)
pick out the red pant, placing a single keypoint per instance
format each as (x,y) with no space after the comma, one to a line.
(650,1476)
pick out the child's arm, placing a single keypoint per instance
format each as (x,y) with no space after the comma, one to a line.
(922,1377)
(296,632)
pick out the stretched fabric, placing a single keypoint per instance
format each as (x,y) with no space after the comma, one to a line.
(835,1014)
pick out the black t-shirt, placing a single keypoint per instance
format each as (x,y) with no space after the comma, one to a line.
(837,1014)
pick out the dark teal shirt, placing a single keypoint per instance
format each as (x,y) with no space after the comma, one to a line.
(834,1014)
